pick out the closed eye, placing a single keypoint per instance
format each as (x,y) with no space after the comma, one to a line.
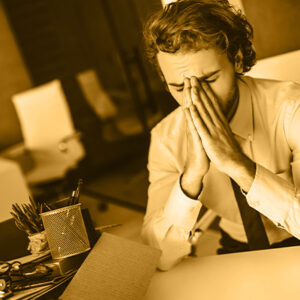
(210,81)
(180,88)
(206,80)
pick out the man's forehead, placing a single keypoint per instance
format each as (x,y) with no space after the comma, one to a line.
(176,66)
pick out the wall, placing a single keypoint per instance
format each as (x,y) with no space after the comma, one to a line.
(13,78)
(276,25)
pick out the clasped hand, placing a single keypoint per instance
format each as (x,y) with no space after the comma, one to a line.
(205,118)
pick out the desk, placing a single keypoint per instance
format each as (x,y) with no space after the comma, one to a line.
(12,186)
(257,275)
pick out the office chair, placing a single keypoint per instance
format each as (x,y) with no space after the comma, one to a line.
(52,147)
(115,108)
(48,132)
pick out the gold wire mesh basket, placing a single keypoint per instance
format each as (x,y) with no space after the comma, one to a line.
(66,232)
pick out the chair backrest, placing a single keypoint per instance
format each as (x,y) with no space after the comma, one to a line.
(44,115)
(280,67)
(95,95)
(48,131)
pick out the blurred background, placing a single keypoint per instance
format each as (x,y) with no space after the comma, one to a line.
(94,48)
(89,56)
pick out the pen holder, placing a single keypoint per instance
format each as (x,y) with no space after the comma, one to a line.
(66,232)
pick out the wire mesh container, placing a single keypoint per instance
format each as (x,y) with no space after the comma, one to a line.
(66,232)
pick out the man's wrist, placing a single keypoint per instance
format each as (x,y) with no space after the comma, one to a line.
(191,185)
(243,173)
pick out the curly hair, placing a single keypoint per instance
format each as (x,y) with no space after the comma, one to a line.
(192,25)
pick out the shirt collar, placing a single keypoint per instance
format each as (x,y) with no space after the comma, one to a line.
(241,123)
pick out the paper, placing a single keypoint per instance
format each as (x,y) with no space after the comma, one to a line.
(115,269)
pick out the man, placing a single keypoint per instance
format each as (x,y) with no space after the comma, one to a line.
(230,131)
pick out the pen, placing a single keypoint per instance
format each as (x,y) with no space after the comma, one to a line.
(55,280)
(74,199)
(77,192)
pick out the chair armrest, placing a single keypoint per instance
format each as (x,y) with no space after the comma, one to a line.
(62,145)
(19,154)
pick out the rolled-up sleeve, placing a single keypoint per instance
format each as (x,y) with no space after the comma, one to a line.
(170,214)
(275,197)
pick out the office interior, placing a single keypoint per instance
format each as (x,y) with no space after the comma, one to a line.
(90,55)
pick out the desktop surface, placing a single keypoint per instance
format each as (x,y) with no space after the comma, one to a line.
(257,275)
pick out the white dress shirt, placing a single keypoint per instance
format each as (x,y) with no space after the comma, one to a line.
(267,127)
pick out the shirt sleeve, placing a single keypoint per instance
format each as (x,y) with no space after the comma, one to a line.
(170,214)
(275,197)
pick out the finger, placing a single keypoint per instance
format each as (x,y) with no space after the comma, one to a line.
(187,92)
(212,100)
(205,112)
(190,124)
(216,119)
(204,97)
(199,123)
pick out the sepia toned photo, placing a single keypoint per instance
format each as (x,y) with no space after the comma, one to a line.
(149,149)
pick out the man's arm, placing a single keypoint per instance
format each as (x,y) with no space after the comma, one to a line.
(173,207)
(273,196)
(171,214)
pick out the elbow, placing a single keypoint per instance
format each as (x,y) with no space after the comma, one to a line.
(166,263)
(174,247)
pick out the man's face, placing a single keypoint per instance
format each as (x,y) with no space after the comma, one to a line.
(210,65)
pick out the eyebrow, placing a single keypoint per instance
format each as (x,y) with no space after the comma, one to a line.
(206,76)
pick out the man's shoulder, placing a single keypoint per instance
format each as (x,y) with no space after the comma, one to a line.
(273,90)
(171,125)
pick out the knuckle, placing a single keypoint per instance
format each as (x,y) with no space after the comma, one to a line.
(193,108)
(195,90)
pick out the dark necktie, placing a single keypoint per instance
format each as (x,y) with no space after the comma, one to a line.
(253,225)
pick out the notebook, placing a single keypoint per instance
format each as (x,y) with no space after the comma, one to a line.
(116,268)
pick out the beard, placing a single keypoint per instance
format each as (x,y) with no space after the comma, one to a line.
(232,101)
